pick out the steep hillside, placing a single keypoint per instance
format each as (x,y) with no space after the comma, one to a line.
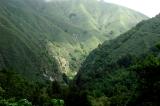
(43,40)
(117,71)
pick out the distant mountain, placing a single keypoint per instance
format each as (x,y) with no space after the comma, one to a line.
(45,40)
(107,72)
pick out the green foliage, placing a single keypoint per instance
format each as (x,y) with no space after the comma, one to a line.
(2,91)
(134,85)
(55,90)
(14,85)
(14,88)
(149,86)
(22,102)
(57,102)
(125,70)
(77,98)
(101,101)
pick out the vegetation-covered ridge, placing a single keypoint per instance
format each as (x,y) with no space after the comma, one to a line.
(124,71)
(44,40)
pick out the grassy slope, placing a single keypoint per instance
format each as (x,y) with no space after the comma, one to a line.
(36,36)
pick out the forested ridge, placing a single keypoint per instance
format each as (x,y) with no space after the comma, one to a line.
(124,71)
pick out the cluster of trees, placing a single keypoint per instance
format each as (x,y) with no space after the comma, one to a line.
(17,91)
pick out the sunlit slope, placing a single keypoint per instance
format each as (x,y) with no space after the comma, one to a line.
(45,39)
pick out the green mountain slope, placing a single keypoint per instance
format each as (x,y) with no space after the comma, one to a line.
(43,40)
(121,70)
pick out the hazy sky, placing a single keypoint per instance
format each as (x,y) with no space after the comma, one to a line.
(147,7)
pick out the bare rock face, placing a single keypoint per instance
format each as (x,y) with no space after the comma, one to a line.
(64,67)
(64,64)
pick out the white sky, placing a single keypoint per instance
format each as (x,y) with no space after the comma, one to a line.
(147,7)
